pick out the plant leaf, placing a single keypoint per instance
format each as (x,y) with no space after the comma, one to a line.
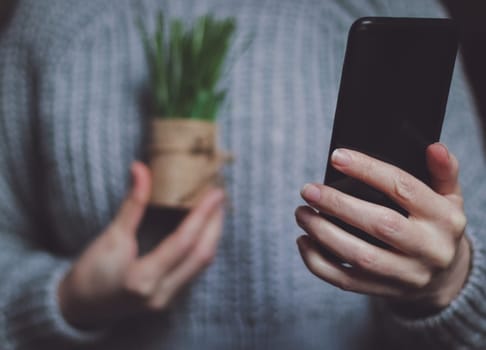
(186,71)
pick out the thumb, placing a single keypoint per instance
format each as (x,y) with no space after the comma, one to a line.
(443,169)
(133,207)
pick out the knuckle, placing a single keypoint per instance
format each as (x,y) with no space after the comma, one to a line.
(365,260)
(137,288)
(403,187)
(158,303)
(161,298)
(443,258)
(389,224)
(457,221)
(421,280)
(138,283)
(458,201)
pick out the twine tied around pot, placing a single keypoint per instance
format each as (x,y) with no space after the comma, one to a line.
(184,160)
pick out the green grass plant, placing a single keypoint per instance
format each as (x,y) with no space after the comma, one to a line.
(186,64)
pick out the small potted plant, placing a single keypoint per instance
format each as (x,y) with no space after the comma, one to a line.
(185,68)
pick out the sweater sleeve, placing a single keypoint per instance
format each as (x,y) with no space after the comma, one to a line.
(462,325)
(30,317)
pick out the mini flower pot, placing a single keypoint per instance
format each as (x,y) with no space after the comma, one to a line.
(184,160)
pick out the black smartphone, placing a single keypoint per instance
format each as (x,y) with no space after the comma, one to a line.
(392,98)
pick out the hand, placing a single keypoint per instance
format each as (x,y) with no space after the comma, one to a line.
(429,258)
(110,281)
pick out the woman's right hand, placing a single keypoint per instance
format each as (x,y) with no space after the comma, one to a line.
(109,281)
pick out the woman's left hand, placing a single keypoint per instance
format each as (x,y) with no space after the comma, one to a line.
(428,262)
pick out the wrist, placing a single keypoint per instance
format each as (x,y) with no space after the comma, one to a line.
(455,279)
(64,299)
(442,291)
(75,309)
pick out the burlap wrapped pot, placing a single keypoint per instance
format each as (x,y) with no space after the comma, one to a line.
(184,160)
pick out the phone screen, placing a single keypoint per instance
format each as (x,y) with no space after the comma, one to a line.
(392,98)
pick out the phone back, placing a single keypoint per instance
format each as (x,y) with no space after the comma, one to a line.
(393,95)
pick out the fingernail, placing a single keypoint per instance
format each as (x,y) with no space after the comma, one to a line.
(444,148)
(311,193)
(340,157)
(298,240)
(301,241)
(302,216)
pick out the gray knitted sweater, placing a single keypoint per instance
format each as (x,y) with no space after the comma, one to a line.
(71,122)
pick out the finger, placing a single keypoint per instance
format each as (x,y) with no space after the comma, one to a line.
(196,261)
(383,223)
(133,207)
(150,268)
(444,170)
(345,278)
(360,254)
(407,191)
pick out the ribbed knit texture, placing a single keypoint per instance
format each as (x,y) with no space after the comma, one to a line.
(72,76)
